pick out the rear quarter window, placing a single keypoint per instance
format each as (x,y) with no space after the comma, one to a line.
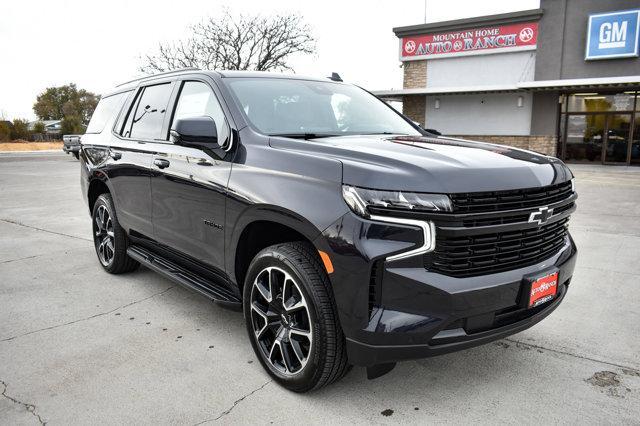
(106,110)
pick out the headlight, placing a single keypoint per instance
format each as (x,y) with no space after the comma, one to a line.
(358,199)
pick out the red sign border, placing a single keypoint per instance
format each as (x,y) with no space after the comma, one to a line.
(428,37)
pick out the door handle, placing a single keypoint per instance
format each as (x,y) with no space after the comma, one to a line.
(161,163)
(115,155)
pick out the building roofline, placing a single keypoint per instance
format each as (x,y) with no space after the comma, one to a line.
(461,24)
(580,82)
(533,86)
(457,90)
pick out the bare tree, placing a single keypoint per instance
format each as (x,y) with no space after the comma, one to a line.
(260,43)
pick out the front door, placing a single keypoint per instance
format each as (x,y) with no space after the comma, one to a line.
(189,184)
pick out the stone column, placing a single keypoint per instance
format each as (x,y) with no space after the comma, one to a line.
(415,77)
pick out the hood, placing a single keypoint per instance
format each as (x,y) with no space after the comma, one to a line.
(433,164)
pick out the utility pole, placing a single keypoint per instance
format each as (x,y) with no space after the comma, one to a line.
(425,11)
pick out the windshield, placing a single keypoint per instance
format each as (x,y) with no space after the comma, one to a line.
(290,107)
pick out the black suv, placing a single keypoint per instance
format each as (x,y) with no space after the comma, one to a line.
(346,233)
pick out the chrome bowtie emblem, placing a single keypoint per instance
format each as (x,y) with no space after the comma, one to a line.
(541,216)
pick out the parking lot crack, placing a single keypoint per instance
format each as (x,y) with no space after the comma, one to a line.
(89,317)
(557,351)
(29,407)
(19,259)
(236,402)
(14,222)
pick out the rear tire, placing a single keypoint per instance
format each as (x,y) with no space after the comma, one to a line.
(109,238)
(291,318)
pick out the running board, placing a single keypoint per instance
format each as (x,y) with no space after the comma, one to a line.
(180,275)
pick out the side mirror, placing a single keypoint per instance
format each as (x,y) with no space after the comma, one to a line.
(195,131)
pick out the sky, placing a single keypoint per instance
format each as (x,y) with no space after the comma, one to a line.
(98,44)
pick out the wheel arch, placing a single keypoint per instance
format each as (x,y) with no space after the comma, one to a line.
(262,226)
(97,186)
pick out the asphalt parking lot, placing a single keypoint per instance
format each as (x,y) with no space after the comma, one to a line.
(78,345)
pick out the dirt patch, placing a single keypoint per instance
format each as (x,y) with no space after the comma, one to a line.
(604,379)
(29,146)
(609,382)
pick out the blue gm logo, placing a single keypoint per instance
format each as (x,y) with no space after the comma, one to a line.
(613,35)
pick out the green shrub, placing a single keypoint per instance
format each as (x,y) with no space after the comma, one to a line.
(20,129)
(5,131)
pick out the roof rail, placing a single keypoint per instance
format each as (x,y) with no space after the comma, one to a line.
(159,74)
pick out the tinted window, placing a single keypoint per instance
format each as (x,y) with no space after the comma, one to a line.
(107,109)
(148,114)
(126,129)
(287,106)
(198,100)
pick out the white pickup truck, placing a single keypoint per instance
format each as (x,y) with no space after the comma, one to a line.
(71,144)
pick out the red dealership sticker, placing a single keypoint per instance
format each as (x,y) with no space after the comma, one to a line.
(470,40)
(543,289)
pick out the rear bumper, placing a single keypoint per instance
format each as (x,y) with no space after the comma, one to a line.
(398,310)
(71,148)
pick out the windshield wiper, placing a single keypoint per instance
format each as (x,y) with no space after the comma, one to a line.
(383,133)
(306,136)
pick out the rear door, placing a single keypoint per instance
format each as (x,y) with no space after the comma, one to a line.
(189,184)
(131,156)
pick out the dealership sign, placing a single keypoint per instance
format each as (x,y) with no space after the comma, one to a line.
(613,35)
(493,39)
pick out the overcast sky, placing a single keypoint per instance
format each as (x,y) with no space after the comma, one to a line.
(97,44)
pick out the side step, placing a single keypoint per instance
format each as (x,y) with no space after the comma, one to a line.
(177,273)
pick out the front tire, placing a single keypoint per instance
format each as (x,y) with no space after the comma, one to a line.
(291,318)
(109,238)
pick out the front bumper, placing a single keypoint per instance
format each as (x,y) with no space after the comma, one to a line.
(398,310)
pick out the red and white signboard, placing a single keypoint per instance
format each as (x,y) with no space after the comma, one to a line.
(471,41)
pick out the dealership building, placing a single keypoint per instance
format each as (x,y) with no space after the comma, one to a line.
(563,79)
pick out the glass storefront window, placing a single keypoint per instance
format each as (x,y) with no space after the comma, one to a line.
(635,143)
(617,142)
(600,128)
(584,138)
(599,102)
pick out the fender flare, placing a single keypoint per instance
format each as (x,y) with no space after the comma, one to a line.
(98,175)
(269,213)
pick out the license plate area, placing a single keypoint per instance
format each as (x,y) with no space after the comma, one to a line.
(541,289)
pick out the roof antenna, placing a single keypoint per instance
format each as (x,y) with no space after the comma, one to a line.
(335,77)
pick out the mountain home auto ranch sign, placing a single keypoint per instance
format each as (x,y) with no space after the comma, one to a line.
(473,41)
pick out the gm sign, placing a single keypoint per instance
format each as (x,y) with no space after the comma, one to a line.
(613,35)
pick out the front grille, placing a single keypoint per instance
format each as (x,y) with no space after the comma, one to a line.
(478,202)
(505,220)
(466,256)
